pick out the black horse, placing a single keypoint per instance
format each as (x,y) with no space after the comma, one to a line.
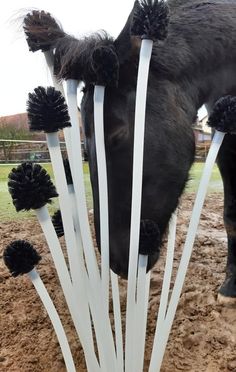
(195,65)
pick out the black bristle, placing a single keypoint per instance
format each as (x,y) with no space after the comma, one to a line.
(223,116)
(41,30)
(73,57)
(150,20)
(149,239)
(69,179)
(30,187)
(105,65)
(57,223)
(20,257)
(47,110)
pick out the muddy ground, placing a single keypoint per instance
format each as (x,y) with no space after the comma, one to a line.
(203,336)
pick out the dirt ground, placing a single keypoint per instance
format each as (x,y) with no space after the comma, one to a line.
(203,336)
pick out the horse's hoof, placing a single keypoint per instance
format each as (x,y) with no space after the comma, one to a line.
(226,301)
(227,292)
(228,288)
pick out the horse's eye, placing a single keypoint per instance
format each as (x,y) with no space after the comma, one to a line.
(117,139)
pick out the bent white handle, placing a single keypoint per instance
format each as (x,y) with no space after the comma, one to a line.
(160,346)
(139,129)
(56,322)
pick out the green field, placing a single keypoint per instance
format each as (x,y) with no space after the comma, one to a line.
(215,184)
(7,210)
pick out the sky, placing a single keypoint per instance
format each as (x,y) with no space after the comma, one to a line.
(20,70)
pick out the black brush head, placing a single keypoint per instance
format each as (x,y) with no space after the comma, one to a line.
(223,116)
(57,223)
(30,187)
(105,65)
(41,30)
(69,179)
(47,110)
(149,239)
(150,20)
(20,257)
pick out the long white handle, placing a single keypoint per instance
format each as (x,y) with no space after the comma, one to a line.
(77,266)
(56,322)
(64,201)
(78,236)
(143,286)
(139,127)
(117,322)
(99,313)
(78,181)
(160,346)
(99,92)
(49,57)
(166,281)
(68,290)
(168,272)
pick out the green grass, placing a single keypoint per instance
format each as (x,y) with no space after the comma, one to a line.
(215,184)
(7,210)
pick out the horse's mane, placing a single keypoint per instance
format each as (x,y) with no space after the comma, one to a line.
(200,37)
(73,57)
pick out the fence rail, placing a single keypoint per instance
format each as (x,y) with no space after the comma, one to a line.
(12,151)
(25,141)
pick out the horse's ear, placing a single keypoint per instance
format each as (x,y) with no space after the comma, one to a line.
(127,46)
(148,19)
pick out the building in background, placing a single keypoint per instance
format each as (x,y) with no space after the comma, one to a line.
(203,138)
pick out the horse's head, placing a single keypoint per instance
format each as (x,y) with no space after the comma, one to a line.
(168,152)
(169,140)
(168,155)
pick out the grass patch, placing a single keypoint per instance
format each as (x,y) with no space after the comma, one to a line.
(7,210)
(215,184)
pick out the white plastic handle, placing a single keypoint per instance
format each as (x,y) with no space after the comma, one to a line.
(139,128)
(100,316)
(167,272)
(160,345)
(99,92)
(68,290)
(143,286)
(117,322)
(56,322)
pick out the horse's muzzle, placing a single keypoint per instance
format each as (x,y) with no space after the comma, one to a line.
(149,244)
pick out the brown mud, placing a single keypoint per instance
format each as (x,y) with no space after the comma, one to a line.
(203,336)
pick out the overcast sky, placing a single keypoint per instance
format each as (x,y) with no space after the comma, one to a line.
(21,71)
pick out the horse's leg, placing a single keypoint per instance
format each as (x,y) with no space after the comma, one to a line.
(226,161)
(227,166)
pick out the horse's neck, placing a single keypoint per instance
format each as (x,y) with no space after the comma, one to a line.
(189,94)
(200,49)
(209,87)
(198,56)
